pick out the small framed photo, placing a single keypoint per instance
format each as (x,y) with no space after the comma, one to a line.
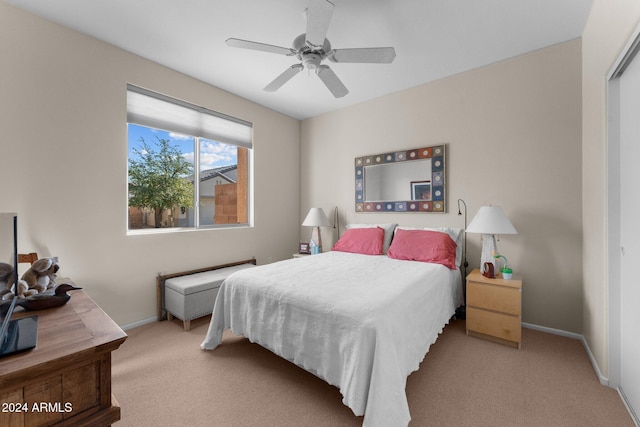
(420,190)
(304,248)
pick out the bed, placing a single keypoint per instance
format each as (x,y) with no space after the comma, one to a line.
(361,322)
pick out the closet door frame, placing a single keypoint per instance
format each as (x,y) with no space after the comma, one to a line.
(614,201)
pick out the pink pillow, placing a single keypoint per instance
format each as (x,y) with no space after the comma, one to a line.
(425,246)
(366,241)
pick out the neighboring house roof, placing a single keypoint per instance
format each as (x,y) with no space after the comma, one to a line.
(218,172)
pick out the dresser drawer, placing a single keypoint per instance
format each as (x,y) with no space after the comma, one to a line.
(498,325)
(496,298)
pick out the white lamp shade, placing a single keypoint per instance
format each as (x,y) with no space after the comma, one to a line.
(316,218)
(491,220)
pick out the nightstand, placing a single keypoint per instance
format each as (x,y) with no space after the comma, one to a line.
(494,308)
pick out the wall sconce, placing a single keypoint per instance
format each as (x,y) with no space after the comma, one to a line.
(465,264)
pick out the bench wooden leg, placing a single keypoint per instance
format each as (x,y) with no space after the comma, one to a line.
(169,316)
(187,324)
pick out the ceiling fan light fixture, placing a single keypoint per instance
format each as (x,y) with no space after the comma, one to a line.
(311,60)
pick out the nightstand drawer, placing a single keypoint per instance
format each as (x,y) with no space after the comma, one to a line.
(496,298)
(494,324)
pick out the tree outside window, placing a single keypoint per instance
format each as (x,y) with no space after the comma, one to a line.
(163,192)
(159,180)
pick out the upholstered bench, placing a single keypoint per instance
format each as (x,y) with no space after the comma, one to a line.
(193,295)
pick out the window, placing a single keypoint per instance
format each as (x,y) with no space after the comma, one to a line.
(187,166)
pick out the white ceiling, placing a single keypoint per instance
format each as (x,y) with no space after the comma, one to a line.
(432,38)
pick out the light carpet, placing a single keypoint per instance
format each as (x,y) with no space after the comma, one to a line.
(162,378)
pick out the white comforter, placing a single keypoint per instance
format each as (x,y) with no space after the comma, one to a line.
(362,323)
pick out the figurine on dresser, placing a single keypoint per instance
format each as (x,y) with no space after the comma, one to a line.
(37,289)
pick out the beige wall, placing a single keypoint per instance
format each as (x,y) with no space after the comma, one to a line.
(513,131)
(64,165)
(610,25)
(514,139)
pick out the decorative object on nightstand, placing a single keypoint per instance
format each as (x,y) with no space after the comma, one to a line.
(507,273)
(304,249)
(494,309)
(316,218)
(489,221)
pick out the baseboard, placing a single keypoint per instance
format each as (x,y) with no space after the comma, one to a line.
(139,323)
(552,331)
(603,380)
(634,417)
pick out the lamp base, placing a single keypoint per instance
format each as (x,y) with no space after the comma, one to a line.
(489,249)
(316,238)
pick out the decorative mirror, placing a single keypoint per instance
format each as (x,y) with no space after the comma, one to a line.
(402,181)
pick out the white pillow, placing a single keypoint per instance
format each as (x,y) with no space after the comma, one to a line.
(456,235)
(388,232)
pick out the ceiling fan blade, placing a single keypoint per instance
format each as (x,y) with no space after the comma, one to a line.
(283,78)
(245,44)
(319,15)
(372,55)
(331,81)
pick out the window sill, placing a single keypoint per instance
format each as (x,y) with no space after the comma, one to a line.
(152,231)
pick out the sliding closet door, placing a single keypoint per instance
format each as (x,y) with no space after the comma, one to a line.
(630,234)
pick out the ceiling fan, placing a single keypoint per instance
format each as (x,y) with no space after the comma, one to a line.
(312,48)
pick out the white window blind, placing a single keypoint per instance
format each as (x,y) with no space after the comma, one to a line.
(158,111)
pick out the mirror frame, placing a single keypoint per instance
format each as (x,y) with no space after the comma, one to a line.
(438,202)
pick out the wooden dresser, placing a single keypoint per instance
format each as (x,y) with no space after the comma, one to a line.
(66,379)
(494,308)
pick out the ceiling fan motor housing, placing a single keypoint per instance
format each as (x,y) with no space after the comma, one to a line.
(311,56)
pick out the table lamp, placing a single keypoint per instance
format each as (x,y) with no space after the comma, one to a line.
(489,221)
(316,218)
